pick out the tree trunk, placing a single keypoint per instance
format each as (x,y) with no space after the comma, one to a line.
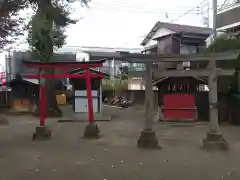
(52,106)
(51,86)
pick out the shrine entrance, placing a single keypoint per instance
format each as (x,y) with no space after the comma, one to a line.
(177,98)
(42,131)
(214,137)
(179,107)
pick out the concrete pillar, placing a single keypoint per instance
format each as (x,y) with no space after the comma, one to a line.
(148,138)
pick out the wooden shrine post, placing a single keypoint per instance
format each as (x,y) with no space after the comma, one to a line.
(214,137)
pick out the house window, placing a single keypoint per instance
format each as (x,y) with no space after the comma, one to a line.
(188,49)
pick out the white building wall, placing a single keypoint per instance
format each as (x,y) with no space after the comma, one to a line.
(160,33)
(137,84)
(81,103)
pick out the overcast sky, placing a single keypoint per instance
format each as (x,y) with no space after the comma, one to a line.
(123,23)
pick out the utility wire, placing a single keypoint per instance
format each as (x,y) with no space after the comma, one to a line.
(138,8)
(126,7)
(146,8)
(141,12)
(179,17)
(127,3)
(129,6)
(223,4)
(189,11)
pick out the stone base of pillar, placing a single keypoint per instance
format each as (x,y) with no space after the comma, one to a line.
(148,140)
(42,133)
(214,141)
(91,131)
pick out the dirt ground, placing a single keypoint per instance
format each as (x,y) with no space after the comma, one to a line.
(115,155)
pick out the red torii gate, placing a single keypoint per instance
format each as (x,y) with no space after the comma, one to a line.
(42,131)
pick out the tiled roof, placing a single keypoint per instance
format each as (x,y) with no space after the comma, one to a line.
(177,28)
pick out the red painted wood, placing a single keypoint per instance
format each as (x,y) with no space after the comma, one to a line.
(89,95)
(36,76)
(179,106)
(42,105)
(3,79)
(180,100)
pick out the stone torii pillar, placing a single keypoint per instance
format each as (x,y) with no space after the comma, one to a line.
(214,137)
(148,138)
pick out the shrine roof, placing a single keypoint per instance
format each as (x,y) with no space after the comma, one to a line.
(5,89)
(161,80)
(15,81)
(94,71)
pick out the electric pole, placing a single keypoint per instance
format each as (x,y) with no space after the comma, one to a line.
(214,6)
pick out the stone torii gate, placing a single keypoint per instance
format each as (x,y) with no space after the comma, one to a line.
(214,137)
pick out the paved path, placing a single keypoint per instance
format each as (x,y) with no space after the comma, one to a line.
(115,155)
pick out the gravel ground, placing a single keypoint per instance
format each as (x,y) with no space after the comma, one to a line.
(115,155)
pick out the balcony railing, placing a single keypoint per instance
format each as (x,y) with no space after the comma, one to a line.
(229,6)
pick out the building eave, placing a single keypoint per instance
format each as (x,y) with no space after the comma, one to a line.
(150,47)
(81,71)
(160,80)
(150,34)
(175,29)
(224,28)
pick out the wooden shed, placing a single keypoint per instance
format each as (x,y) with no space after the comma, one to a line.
(24,94)
(178,97)
(5,94)
(80,100)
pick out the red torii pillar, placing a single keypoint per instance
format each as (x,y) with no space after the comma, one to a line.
(43,132)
